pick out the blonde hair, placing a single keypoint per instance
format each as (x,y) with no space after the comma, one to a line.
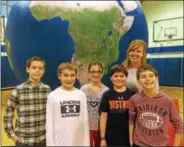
(134,45)
(66,65)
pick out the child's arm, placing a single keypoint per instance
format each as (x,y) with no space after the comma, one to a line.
(9,115)
(177,123)
(103,122)
(86,124)
(131,129)
(49,123)
(103,112)
(132,115)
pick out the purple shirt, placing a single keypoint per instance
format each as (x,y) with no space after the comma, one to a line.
(151,118)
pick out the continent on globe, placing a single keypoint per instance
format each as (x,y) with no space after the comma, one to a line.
(89,26)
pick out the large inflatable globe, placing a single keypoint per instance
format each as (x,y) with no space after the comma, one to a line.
(72,31)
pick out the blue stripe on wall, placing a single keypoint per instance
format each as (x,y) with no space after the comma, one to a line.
(165,49)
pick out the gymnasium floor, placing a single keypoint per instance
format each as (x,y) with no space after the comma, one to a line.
(174,92)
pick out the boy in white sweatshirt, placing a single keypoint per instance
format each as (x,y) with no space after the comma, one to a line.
(67,116)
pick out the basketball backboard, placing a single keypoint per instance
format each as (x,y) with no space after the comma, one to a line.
(168,29)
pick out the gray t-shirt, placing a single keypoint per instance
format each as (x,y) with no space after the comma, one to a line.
(93,101)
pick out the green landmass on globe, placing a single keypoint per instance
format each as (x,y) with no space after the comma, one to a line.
(89,29)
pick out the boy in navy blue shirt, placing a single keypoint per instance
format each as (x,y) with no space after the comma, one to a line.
(113,110)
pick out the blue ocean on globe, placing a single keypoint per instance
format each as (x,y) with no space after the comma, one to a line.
(71,31)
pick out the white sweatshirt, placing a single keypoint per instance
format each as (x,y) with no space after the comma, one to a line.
(67,118)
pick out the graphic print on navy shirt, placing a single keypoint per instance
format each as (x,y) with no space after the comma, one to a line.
(70,108)
(119,105)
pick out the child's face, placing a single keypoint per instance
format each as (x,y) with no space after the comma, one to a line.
(148,80)
(95,73)
(135,55)
(118,79)
(36,71)
(67,78)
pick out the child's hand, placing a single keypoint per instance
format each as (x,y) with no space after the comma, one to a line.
(103,143)
(16,139)
(131,143)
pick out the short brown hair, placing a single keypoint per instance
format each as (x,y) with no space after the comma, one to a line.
(118,68)
(29,61)
(146,67)
(66,65)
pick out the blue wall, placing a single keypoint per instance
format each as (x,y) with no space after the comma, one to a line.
(171,69)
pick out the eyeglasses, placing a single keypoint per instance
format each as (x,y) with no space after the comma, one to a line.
(95,72)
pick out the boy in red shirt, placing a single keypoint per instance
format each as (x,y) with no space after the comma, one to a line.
(151,111)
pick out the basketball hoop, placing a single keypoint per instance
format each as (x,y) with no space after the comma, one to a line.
(169,38)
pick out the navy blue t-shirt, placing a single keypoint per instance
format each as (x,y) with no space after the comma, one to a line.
(117,127)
